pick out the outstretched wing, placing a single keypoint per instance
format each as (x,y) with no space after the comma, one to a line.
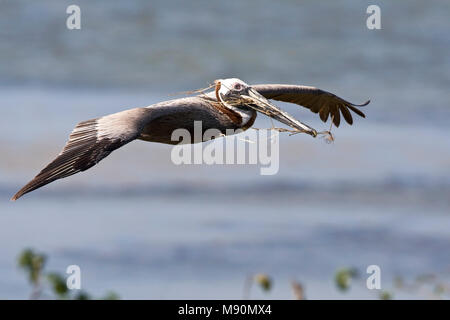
(317,100)
(90,142)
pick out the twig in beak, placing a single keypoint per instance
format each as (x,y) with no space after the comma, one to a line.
(246,140)
(327,135)
(193,91)
(291,131)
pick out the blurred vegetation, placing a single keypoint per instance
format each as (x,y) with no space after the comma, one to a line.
(424,286)
(263,280)
(343,278)
(50,285)
(53,285)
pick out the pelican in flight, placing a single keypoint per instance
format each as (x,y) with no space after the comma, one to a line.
(232,104)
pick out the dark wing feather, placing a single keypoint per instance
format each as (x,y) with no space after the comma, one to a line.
(317,100)
(89,143)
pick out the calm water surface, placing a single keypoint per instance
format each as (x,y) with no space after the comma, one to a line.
(146,228)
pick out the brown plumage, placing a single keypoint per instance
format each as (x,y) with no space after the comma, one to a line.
(232,105)
(316,100)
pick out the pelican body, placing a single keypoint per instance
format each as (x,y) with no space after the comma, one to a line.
(232,104)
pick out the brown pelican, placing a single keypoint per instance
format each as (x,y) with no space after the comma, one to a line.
(232,105)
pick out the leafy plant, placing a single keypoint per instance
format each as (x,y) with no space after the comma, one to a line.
(33,263)
(343,278)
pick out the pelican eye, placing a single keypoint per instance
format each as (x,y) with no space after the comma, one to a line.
(237,86)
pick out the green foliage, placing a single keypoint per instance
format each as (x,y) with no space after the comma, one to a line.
(264,281)
(33,264)
(58,284)
(111,295)
(343,278)
(82,296)
(385,295)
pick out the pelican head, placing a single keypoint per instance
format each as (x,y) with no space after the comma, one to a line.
(233,92)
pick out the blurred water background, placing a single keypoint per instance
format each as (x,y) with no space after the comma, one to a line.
(146,228)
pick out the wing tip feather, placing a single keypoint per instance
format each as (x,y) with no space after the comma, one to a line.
(30,186)
(361,105)
(19,194)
